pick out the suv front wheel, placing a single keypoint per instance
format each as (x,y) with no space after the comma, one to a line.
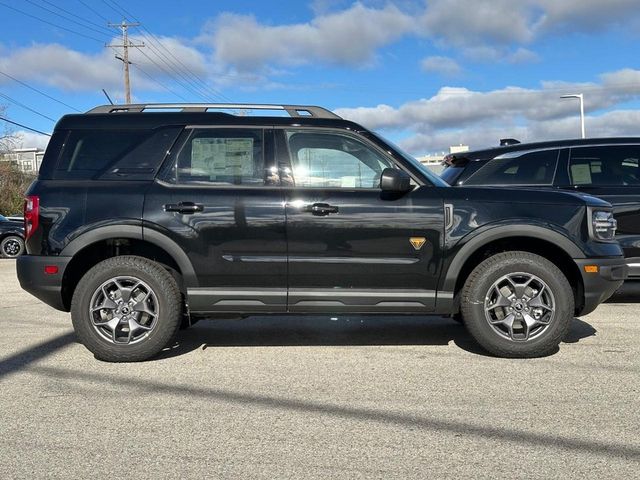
(126,309)
(517,304)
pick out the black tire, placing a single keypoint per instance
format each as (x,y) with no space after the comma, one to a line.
(168,303)
(12,246)
(479,286)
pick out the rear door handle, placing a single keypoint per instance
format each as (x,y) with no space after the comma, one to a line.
(321,209)
(186,208)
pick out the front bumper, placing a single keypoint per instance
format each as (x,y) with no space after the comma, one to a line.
(43,286)
(600,285)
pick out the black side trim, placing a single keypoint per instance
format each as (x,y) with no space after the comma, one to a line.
(324,300)
(237,300)
(310,259)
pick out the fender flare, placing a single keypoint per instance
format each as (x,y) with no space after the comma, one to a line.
(500,232)
(135,232)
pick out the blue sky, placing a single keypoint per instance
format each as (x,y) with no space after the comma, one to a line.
(428,74)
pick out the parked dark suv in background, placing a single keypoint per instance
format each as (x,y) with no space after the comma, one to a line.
(11,238)
(604,167)
(139,218)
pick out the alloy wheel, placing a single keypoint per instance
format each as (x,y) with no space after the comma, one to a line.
(519,306)
(124,310)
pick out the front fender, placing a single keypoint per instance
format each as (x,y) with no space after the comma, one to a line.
(474,241)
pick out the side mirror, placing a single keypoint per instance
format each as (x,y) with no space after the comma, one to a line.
(393,180)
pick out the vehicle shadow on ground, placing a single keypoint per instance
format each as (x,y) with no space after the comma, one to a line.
(292,331)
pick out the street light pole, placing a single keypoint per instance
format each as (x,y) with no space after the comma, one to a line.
(579,96)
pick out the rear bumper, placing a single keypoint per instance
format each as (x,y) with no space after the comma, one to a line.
(600,285)
(43,286)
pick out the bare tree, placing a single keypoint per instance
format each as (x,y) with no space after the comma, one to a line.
(13,181)
(8,141)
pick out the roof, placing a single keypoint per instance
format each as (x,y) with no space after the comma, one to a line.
(158,115)
(495,151)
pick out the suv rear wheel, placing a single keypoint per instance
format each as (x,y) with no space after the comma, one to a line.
(126,309)
(517,304)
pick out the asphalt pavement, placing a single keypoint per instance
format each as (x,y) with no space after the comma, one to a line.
(317,397)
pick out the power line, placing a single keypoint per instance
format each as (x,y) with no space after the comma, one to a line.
(203,87)
(138,67)
(50,23)
(24,126)
(66,17)
(16,102)
(185,86)
(38,91)
(171,71)
(94,11)
(82,19)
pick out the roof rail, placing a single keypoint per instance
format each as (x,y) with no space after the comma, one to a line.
(292,110)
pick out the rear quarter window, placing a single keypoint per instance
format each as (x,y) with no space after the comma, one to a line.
(114,154)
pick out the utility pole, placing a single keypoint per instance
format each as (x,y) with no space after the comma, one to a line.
(126,44)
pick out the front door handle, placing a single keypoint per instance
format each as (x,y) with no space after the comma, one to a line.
(186,208)
(321,209)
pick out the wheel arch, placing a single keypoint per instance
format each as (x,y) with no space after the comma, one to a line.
(97,245)
(533,239)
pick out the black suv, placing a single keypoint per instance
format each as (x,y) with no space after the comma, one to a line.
(140,218)
(11,238)
(604,167)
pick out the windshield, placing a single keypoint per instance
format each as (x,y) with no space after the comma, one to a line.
(433,178)
(2,218)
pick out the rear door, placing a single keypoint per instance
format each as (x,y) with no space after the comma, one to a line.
(612,172)
(353,247)
(219,200)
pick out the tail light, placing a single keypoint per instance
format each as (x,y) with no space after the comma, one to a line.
(31,215)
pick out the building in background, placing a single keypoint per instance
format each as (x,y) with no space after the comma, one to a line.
(26,159)
(434,161)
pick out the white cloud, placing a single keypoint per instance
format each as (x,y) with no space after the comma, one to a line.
(458,115)
(349,37)
(610,124)
(464,23)
(490,23)
(441,65)
(61,67)
(584,15)
(27,139)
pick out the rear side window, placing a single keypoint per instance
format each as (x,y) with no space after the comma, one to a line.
(89,153)
(609,165)
(535,168)
(223,157)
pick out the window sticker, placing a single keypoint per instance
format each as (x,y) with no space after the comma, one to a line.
(223,156)
(581,174)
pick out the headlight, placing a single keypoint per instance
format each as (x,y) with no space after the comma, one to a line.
(603,225)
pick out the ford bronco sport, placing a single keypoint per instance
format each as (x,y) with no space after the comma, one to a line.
(143,216)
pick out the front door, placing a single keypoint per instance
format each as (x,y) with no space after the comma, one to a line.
(220,201)
(351,246)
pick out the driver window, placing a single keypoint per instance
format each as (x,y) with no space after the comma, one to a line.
(331,160)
